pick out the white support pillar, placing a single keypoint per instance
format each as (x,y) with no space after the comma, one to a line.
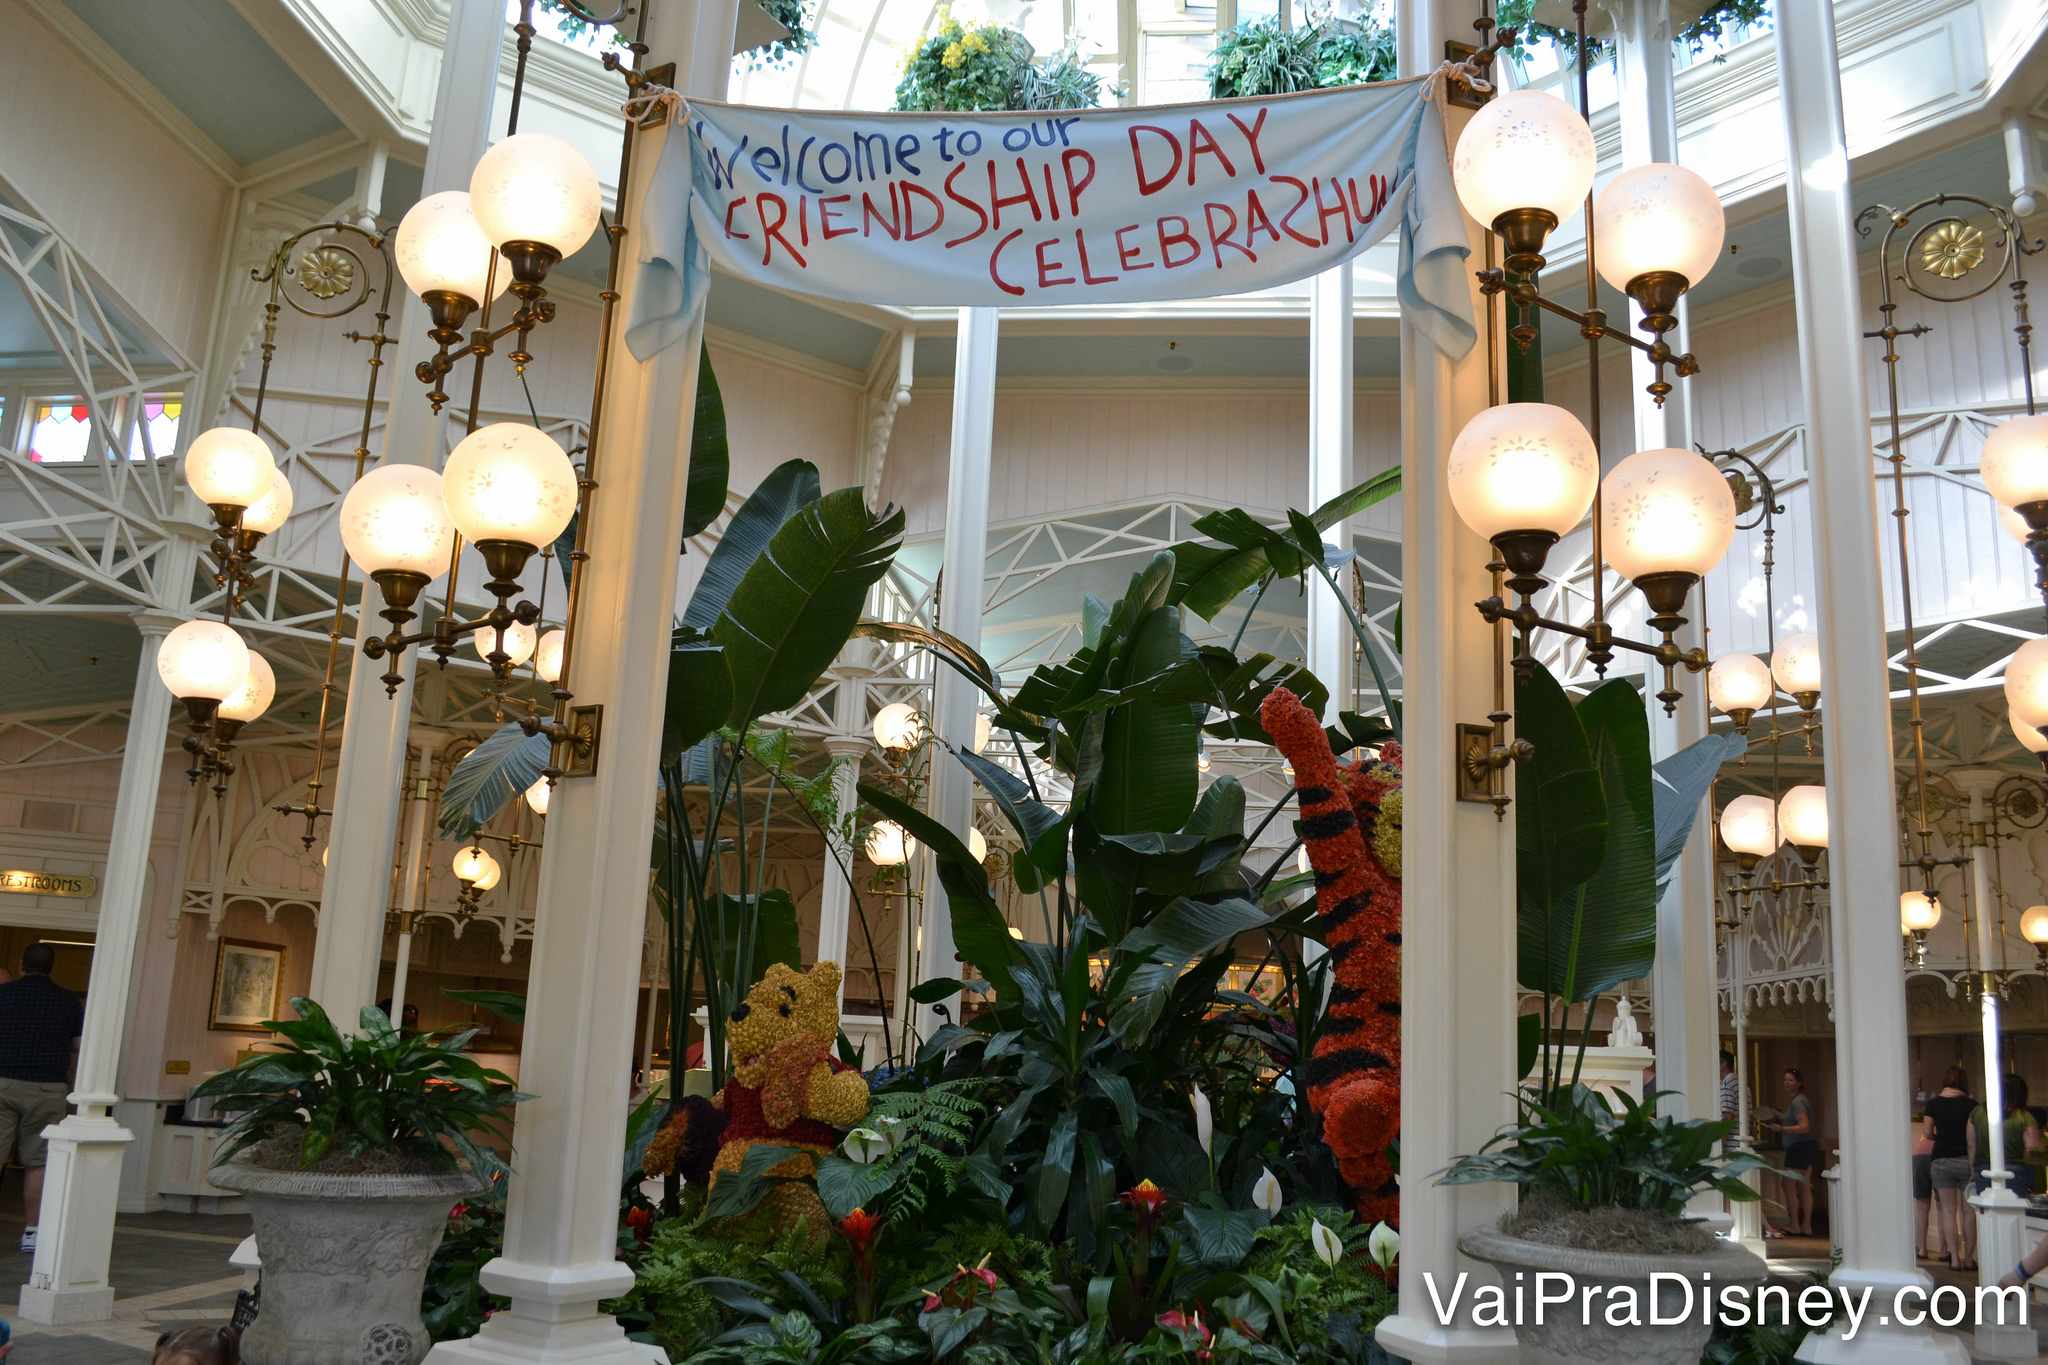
(835,896)
(560,1258)
(68,1282)
(1871,1202)
(953,697)
(418,862)
(1458,861)
(1330,642)
(370,766)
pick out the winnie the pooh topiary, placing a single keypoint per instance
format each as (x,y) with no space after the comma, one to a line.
(786,1088)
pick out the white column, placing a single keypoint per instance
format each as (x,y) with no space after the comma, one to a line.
(847,747)
(68,1282)
(560,1258)
(418,860)
(1329,473)
(953,697)
(370,767)
(1873,1197)
(1458,890)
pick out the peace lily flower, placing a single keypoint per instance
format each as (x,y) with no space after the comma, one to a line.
(865,1145)
(1266,1193)
(1205,1121)
(1383,1245)
(1329,1246)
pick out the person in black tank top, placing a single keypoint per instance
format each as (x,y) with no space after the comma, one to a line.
(1947,1124)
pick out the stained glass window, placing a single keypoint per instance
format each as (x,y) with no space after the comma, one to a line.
(61,432)
(156,430)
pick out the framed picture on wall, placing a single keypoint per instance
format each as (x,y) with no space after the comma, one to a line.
(247,978)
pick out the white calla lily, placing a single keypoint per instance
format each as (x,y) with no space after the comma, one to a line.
(864,1145)
(1383,1245)
(1205,1121)
(1266,1193)
(1329,1246)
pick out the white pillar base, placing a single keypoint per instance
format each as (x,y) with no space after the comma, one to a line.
(554,1318)
(1419,1340)
(68,1283)
(2001,1240)
(1880,1342)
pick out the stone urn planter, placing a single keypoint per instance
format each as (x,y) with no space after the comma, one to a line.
(344,1261)
(1564,1339)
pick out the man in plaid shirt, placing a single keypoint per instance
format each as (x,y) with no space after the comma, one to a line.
(39,1027)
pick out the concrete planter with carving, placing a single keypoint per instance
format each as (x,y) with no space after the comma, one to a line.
(344,1260)
(1564,1339)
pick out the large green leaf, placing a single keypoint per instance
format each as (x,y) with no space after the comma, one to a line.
(1560,829)
(1207,578)
(1618,936)
(980,933)
(508,1005)
(798,603)
(1149,748)
(699,694)
(710,456)
(489,776)
(1681,782)
(1191,929)
(789,488)
(1043,829)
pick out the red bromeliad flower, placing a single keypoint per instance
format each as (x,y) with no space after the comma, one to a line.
(859,1228)
(642,1223)
(1148,1199)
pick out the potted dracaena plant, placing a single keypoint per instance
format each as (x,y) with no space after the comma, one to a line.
(350,1151)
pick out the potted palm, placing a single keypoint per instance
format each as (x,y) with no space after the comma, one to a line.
(350,1152)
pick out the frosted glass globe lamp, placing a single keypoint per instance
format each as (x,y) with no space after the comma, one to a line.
(1659,229)
(1523,164)
(1666,518)
(1521,475)
(1738,686)
(547,656)
(394,524)
(2014,464)
(977,844)
(537,199)
(1918,912)
(516,644)
(509,490)
(2034,929)
(890,845)
(203,663)
(1749,827)
(537,795)
(983,728)
(228,469)
(267,513)
(898,727)
(2030,738)
(1803,819)
(250,700)
(1795,663)
(446,260)
(2026,684)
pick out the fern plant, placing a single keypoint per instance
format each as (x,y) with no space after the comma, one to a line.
(913,1153)
(1262,59)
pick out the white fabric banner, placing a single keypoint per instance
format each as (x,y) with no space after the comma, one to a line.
(1122,205)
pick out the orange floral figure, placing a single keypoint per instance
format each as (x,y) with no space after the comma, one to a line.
(1351,824)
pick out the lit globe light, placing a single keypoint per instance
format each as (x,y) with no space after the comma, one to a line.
(1667,517)
(519,642)
(253,697)
(1521,475)
(394,524)
(1202,759)
(890,845)
(1749,827)
(2026,683)
(2015,525)
(898,726)
(489,879)
(446,259)
(538,199)
(1659,227)
(983,728)
(228,467)
(1301,863)
(268,512)
(1795,663)
(1918,912)
(2034,924)
(203,661)
(471,862)
(2031,739)
(1803,817)
(509,490)
(1739,685)
(547,656)
(977,844)
(2014,462)
(537,795)
(1523,164)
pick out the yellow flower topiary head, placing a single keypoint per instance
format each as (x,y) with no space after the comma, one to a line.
(783,1004)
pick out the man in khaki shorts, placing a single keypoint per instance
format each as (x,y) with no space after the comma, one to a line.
(39,1026)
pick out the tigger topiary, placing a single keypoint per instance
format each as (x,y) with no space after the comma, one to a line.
(1351,824)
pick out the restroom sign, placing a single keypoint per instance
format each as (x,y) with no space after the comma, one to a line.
(22,883)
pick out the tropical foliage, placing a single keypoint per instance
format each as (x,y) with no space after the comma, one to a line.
(1261,58)
(968,67)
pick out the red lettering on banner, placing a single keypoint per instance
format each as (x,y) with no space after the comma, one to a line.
(910,232)
(1052,199)
(1255,219)
(1219,240)
(999,203)
(1146,186)
(1166,239)
(870,215)
(771,233)
(1200,140)
(996,255)
(1044,282)
(1375,198)
(1251,136)
(1126,254)
(1067,160)
(1087,277)
(1302,191)
(803,217)
(730,235)
(1324,213)
(964,202)
(825,216)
